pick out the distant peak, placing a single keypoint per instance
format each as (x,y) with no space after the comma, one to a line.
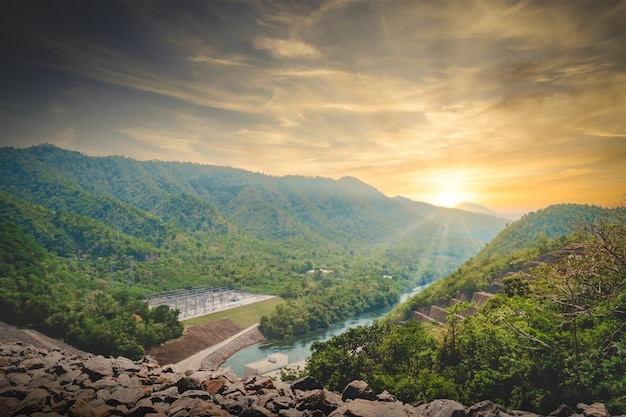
(475,207)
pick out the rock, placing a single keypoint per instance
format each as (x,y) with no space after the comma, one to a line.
(82,408)
(171,368)
(278,403)
(33,363)
(41,381)
(236,389)
(126,396)
(50,414)
(187,383)
(104,383)
(100,387)
(143,408)
(9,405)
(213,386)
(258,411)
(358,389)
(235,405)
(306,413)
(364,408)
(441,408)
(256,383)
(19,392)
(487,409)
(319,399)
(307,383)
(385,396)
(596,410)
(124,365)
(19,379)
(563,411)
(98,367)
(195,393)
(35,400)
(520,413)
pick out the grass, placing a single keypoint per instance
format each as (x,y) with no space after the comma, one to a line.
(244,316)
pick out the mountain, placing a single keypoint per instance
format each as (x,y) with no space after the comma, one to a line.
(457,222)
(114,229)
(545,324)
(475,208)
(155,200)
(521,241)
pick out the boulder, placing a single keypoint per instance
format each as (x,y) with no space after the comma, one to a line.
(364,408)
(385,396)
(187,383)
(257,383)
(563,411)
(596,410)
(487,409)
(98,367)
(307,383)
(35,400)
(358,389)
(126,396)
(143,408)
(123,365)
(19,379)
(441,408)
(83,408)
(214,386)
(319,399)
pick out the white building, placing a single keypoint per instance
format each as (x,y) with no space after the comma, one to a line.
(271,363)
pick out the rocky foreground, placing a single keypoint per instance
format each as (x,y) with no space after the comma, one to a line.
(38,382)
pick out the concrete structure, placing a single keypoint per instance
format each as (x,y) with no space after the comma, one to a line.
(199,301)
(271,363)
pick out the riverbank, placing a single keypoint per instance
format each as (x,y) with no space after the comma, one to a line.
(242,339)
(216,357)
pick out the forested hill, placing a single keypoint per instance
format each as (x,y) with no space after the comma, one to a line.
(552,332)
(205,198)
(156,208)
(113,229)
(522,241)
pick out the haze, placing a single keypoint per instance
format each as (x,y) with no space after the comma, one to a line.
(514,105)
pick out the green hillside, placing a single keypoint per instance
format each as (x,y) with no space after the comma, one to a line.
(523,240)
(555,334)
(124,228)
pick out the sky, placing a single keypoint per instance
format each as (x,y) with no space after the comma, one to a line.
(515,105)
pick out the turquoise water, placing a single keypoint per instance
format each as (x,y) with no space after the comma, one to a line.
(300,347)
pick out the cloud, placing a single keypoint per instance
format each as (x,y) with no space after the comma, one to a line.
(238,61)
(517,98)
(286,48)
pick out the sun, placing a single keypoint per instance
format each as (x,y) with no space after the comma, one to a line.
(449,187)
(447,199)
(450,193)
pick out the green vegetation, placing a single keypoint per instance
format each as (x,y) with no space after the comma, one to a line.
(556,335)
(325,303)
(64,299)
(245,316)
(83,240)
(112,230)
(524,240)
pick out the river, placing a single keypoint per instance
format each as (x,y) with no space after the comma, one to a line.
(300,348)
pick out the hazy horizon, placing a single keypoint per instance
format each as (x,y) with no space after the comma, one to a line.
(511,105)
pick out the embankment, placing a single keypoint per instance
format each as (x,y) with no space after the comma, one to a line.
(197,339)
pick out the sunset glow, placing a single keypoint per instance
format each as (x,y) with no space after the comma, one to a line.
(513,105)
